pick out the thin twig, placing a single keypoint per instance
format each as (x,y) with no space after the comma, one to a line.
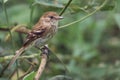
(31,12)
(61,61)
(5,11)
(10,76)
(13,46)
(85,17)
(4,29)
(12,40)
(27,72)
(21,57)
(63,10)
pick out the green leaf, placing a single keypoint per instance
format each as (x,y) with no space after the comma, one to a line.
(30,76)
(117,19)
(60,77)
(4,1)
(51,3)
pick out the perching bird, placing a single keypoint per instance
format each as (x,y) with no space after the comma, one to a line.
(41,33)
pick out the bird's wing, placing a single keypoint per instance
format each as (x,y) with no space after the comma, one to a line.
(33,35)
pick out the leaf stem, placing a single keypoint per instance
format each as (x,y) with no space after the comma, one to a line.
(63,10)
(85,17)
(31,13)
(5,11)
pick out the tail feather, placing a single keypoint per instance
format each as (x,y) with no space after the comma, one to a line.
(17,54)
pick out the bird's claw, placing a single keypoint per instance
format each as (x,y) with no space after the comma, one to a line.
(45,50)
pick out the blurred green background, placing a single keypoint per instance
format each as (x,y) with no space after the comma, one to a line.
(89,49)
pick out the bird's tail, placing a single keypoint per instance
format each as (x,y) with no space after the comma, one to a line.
(17,54)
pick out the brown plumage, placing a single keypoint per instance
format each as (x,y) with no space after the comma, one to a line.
(44,30)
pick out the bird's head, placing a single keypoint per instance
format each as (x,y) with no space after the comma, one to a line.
(51,17)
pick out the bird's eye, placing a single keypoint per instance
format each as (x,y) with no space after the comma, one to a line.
(51,17)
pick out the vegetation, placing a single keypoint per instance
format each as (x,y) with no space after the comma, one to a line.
(89,45)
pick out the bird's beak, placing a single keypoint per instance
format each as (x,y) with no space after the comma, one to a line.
(59,17)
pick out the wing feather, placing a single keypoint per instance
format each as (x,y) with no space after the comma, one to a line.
(33,35)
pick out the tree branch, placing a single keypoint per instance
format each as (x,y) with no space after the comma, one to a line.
(23,30)
(41,67)
(3,58)
(18,28)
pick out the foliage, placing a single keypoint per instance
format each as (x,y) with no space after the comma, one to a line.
(30,76)
(89,49)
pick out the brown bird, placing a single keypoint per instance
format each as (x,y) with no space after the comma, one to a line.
(41,33)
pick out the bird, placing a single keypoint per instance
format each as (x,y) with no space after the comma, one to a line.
(40,33)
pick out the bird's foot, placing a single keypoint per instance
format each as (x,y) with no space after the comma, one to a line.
(45,50)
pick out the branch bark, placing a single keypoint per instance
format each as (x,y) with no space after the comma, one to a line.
(41,67)
(23,30)
(44,56)
(19,29)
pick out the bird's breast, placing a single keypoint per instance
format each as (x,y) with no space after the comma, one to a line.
(47,36)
